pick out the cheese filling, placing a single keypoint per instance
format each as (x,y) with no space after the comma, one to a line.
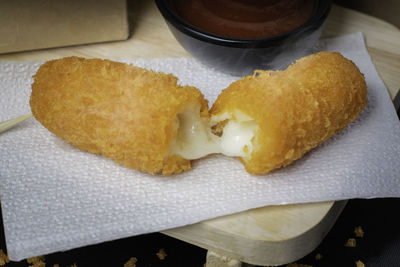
(194,139)
(236,138)
(229,134)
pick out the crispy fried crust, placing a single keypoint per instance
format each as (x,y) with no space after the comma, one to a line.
(295,109)
(123,112)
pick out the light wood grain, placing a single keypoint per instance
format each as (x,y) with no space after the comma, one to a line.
(271,235)
(149,37)
(27,25)
(265,236)
(8,124)
(382,40)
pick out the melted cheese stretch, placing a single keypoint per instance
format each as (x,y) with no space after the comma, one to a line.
(195,138)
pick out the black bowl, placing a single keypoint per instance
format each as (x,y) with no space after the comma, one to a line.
(240,57)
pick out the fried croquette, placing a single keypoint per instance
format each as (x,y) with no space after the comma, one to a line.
(278,116)
(144,120)
(120,111)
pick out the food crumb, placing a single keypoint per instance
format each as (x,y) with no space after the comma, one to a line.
(298,265)
(58,265)
(3,258)
(36,261)
(359,231)
(131,262)
(351,242)
(360,264)
(318,256)
(161,254)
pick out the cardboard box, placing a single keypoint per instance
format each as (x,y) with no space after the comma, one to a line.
(37,24)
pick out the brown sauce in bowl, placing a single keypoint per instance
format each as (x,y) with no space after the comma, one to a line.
(245,18)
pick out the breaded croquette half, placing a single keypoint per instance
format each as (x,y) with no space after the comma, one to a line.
(287,113)
(120,111)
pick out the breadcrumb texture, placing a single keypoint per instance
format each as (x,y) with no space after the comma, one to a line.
(3,258)
(161,254)
(131,262)
(295,109)
(351,242)
(120,111)
(39,261)
(358,231)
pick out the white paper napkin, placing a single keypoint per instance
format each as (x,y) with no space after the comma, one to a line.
(55,197)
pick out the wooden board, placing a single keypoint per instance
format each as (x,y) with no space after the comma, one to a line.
(382,40)
(265,236)
(271,235)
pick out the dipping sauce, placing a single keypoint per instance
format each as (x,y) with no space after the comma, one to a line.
(245,18)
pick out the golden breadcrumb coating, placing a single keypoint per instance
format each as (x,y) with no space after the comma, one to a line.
(161,254)
(3,258)
(295,109)
(358,231)
(123,112)
(351,242)
(131,262)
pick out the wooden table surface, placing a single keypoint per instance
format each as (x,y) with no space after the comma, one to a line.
(150,37)
(257,235)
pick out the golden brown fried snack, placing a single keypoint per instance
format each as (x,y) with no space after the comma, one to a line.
(291,111)
(145,121)
(123,112)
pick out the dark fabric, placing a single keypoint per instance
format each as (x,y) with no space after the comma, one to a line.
(380,245)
